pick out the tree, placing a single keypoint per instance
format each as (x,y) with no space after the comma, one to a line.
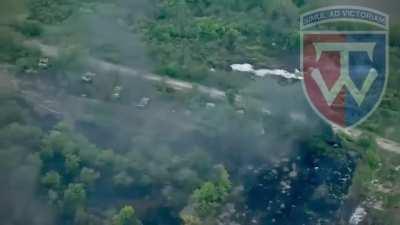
(206,199)
(72,163)
(74,198)
(231,38)
(29,28)
(223,184)
(395,35)
(211,195)
(122,180)
(299,3)
(25,135)
(126,216)
(81,217)
(187,177)
(50,11)
(89,176)
(52,180)
(182,12)
(190,220)
(105,158)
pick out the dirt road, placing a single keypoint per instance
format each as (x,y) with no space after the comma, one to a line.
(383,143)
(104,66)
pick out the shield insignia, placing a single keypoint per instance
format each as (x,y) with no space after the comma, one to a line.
(345,72)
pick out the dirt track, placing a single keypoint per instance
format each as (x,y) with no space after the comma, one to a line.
(103,66)
(383,143)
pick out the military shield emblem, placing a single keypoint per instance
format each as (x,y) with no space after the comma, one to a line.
(345,72)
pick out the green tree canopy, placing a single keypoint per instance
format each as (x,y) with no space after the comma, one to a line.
(126,216)
(211,195)
(74,198)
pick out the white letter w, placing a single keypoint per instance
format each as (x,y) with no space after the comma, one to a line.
(344,77)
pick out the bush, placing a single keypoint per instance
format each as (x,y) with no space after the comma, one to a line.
(11,112)
(211,195)
(50,11)
(29,28)
(13,52)
(52,179)
(206,199)
(24,135)
(27,64)
(75,198)
(299,3)
(395,35)
(126,216)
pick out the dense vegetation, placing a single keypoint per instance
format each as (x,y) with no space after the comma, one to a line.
(50,11)
(74,172)
(188,38)
(376,179)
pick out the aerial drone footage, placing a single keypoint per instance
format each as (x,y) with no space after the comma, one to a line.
(199,112)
